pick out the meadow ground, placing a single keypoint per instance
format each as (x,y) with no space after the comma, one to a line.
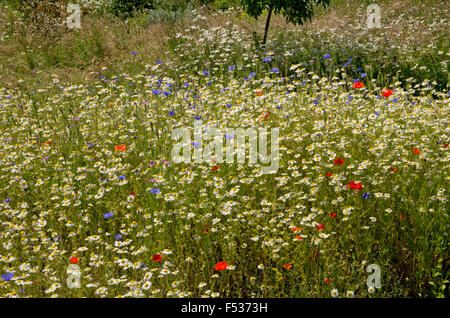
(87,175)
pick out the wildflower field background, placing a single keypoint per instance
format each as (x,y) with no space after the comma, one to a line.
(87,178)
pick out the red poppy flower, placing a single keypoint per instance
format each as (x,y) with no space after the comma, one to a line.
(339,161)
(327,280)
(267,116)
(120,148)
(259,93)
(401,216)
(288,266)
(386,92)
(298,237)
(354,185)
(445,146)
(133,193)
(295,229)
(328,174)
(74,260)
(333,215)
(215,168)
(416,151)
(393,169)
(358,85)
(320,226)
(220,266)
(157,257)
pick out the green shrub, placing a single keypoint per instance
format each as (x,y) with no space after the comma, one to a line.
(126,8)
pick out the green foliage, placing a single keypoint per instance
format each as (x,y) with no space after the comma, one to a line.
(295,11)
(126,8)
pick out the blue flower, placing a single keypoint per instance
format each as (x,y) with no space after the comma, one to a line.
(155,190)
(7,277)
(7,200)
(134,53)
(196,144)
(231,67)
(267,59)
(366,195)
(158,62)
(356,80)
(359,69)
(206,72)
(229,105)
(377,114)
(229,136)
(274,70)
(156,92)
(326,56)
(251,75)
(108,215)
(118,236)
(363,75)
(166,93)
(198,117)
(350,60)
(121,177)
(172,112)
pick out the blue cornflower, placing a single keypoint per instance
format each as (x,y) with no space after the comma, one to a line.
(155,190)
(274,70)
(134,53)
(166,93)
(172,112)
(206,72)
(251,75)
(108,215)
(231,67)
(326,56)
(267,59)
(229,136)
(279,107)
(158,62)
(156,92)
(121,177)
(229,105)
(7,277)
(196,144)
(198,117)
(359,69)
(366,195)
(118,236)
(363,75)
(7,200)
(350,60)
(356,80)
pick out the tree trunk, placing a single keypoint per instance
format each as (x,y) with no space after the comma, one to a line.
(266,29)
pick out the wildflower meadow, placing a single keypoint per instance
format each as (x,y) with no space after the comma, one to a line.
(349,197)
